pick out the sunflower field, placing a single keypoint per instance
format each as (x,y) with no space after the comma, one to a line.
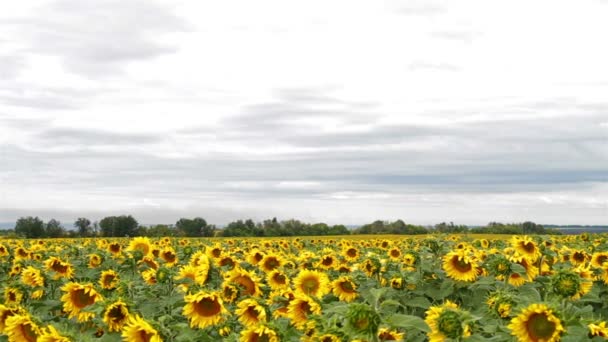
(356,288)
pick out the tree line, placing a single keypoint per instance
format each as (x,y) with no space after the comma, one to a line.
(127,225)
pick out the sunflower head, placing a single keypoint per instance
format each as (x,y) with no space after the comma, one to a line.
(385,334)
(108,280)
(32,277)
(362,320)
(204,309)
(598,329)
(312,283)
(12,295)
(138,330)
(77,297)
(257,333)
(447,321)
(250,312)
(567,283)
(21,328)
(537,323)
(300,308)
(345,289)
(460,266)
(50,334)
(116,315)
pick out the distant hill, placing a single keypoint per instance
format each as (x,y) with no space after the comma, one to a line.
(578,229)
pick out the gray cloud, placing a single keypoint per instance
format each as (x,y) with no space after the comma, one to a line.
(85,138)
(98,40)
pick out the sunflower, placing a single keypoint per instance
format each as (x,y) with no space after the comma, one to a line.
(460,266)
(6,312)
(410,259)
(447,321)
(77,297)
(214,252)
(169,256)
(138,330)
(259,333)
(397,283)
(385,334)
(229,293)
(200,259)
(21,328)
(371,267)
(226,261)
(300,308)
(246,281)
(108,280)
(204,309)
(255,256)
(4,251)
(250,312)
(277,280)
(394,253)
(116,315)
(50,334)
(280,301)
(536,323)
(351,253)
(270,262)
(598,329)
(149,276)
(328,262)
(569,283)
(32,276)
(95,260)
(578,257)
(312,283)
(328,338)
(598,259)
(141,244)
(62,269)
(197,274)
(526,247)
(12,296)
(115,248)
(345,289)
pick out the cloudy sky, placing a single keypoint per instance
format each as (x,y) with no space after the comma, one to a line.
(334,111)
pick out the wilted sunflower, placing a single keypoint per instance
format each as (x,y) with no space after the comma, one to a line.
(460,266)
(536,323)
(277,280)
(259,333)
(21,328)
(312,283)
(62,269)
(250,312)
(526,247)
(108,280)
(141,244)
(385,334)
(345,289)
(50,334)
(12,296)
(246,281)
(598,329)
(447,321)
(300,308)
(204,309)
(32,277)
(77,297)
(116,315)
(138,330)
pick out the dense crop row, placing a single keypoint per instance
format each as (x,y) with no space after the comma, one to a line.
(437,288)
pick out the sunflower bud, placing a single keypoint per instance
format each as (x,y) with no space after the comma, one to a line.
(362,319)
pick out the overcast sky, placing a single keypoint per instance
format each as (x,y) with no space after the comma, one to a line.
(334,111)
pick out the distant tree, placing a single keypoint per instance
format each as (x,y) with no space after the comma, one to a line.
(124,225)
(54,229)
(30,227)
(194,227)
(83,226)
(161,230)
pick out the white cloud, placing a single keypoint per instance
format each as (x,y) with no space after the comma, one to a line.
(345,111)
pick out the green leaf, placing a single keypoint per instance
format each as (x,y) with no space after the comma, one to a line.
(517,268)
(408,322)
(418,302)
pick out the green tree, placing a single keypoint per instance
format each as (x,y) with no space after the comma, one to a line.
(194,227)
(54,229)
(30,227)
(83,226)
(124,225)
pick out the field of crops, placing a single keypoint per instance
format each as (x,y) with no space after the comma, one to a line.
(381,288)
